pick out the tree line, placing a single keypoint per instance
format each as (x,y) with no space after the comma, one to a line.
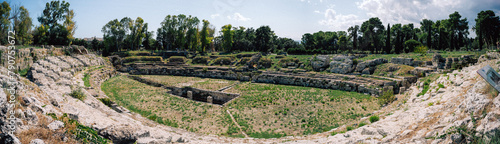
(181,32)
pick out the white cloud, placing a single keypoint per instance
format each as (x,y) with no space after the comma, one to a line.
(214,16)
(410,11)
(339,22)
(317,11)
(238,17)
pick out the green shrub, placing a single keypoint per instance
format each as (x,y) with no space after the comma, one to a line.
(265,62)
(440,85)
(287,60)
(422,50)
(78,94)
(279,56)
(349,128)
(244,60)
(201,60)
(106,101)
(23,72)
(222,61)
(179,59)
(374,118)
(142,58)
(387,97)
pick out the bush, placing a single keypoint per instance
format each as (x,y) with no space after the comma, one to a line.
(279,56)
(142,58)
(78,94)
(244,60)
(287,60)
(422,50)
(201,60)
(374,119)
(440,85)
(411,44)
(265,62)
(106,101)
(387,97)
(222,61)
(180,59)
(349,128)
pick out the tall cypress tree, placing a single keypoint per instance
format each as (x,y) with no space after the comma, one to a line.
(388,40)
(429,40)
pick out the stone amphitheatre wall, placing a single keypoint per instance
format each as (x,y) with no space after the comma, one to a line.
(192,93)
(359,84)
(336,82)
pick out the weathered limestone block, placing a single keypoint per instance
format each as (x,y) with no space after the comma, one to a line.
(370,63)
(403,61)
(320,62)
(190,95)
(210,99)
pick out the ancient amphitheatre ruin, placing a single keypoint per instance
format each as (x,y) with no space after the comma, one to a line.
(190,82)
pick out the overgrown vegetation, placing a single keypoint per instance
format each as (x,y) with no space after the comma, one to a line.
(106,101)
(78,94)
(387,97)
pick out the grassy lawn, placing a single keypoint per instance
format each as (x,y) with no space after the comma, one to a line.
(263,110)
(202,83)
(266,110)
(156,104)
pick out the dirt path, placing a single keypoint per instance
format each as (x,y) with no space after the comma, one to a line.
(234,121)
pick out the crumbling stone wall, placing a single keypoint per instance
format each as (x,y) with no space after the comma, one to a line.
(336,82)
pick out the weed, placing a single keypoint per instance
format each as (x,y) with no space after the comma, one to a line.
(430,104)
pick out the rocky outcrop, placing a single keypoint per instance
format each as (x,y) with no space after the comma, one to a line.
(320,62)
(369,65)
(342,64)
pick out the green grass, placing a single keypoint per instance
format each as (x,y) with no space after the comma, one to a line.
(297,110)
(261,110)
(86,80)
(157,105)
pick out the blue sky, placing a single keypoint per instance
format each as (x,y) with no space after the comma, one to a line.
(287,18)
